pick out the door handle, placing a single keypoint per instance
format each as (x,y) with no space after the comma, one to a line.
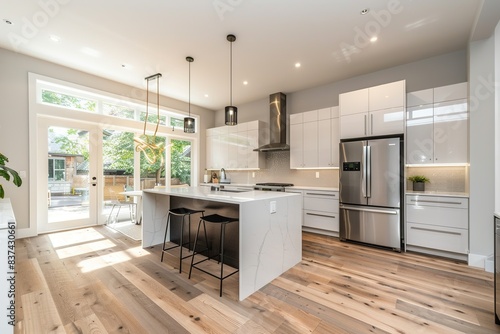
(368,171)
(353,208)
(363,172)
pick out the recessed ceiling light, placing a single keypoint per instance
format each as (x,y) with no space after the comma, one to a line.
(365,11)
(55,38)
(297,65)
(7,21)
(373,39)
(206,95)
(245,82)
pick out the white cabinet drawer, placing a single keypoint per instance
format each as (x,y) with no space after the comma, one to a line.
(321,201)
(439,201)
(321,220)
(438,216)
(440,238)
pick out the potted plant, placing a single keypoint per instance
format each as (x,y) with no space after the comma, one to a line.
(418,182)
(4,172)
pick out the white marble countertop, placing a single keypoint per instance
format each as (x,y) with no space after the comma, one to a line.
(6,213)
(228,184)
(438,193)
(205,193)
(314,188)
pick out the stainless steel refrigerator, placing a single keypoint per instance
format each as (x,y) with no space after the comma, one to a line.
(371,191)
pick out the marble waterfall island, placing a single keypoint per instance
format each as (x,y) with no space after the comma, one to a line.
(266,242)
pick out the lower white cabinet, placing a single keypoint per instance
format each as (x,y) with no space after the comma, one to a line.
(320,211)
(438,225)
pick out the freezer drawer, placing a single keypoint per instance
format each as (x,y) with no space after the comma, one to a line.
(376,226)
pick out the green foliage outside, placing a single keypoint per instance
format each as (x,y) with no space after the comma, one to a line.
(68,101)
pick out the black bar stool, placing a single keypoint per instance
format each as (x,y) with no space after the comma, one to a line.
(223,221)
(180,212)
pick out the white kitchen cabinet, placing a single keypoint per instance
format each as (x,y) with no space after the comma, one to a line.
(321,210)
(329,137)
(231,147)
(451,132)
(354,102)
(384,114)
(420,134)
(451,92)
(438,132)
(387,96)
(304,140)
(421,97)
(438,225)
(374,123)
(7,265)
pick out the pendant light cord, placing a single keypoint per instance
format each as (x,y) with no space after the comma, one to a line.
(231,74)
(189,85)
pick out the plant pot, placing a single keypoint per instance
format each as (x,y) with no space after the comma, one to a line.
(419,186)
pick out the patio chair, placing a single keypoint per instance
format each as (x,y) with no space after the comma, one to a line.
(117,204)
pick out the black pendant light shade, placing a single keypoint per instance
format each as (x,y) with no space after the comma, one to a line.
(189,122)
(231,112)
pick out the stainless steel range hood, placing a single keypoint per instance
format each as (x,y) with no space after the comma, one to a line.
(277,120)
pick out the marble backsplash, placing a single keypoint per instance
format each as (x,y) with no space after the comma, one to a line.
(443,179)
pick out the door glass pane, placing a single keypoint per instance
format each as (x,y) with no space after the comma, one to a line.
(180,163)
(153,164)
(68,174)
(118,168)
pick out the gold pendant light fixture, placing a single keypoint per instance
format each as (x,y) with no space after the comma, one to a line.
(189,122)
(147,144)
(231,112)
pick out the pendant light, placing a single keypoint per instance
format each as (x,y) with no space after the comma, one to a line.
(189,123)
(146,143)
(231,112)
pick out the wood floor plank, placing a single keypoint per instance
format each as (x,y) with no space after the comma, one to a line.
(94,280)
(40,313)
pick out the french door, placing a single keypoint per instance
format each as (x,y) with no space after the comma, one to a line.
(68,157)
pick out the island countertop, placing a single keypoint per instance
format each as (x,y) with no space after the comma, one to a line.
(269,234)
(226,196)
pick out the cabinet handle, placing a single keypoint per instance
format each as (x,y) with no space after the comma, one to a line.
(315,214)
(371,124)
(365,123)
(332,195)
(437,202)
(437,231)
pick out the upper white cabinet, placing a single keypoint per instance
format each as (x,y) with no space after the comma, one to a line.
(314,139)
(391,95)
(436,130)
(231,147)
(328,141)
(304,140)
(373,111)
(353,102)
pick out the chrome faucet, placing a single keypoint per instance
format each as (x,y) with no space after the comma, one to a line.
(222,174)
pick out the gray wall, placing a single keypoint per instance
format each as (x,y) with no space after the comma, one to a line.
(437,71)
(482,147)
(14,68)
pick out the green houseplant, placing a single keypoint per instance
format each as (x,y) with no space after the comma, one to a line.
(419,182)
(6,172)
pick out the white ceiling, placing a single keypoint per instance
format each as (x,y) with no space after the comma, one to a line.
(326,36)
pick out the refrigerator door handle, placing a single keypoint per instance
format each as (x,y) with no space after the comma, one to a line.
(355,208)
(363,172)
(368,171)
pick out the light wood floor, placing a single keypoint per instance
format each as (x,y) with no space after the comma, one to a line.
(95,280)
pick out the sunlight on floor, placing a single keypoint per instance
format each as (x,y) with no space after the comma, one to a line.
(83,249)
(66,238)
(110,259)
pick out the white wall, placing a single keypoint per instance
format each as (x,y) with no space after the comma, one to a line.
(482,149)
(497,119)
(14,68)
